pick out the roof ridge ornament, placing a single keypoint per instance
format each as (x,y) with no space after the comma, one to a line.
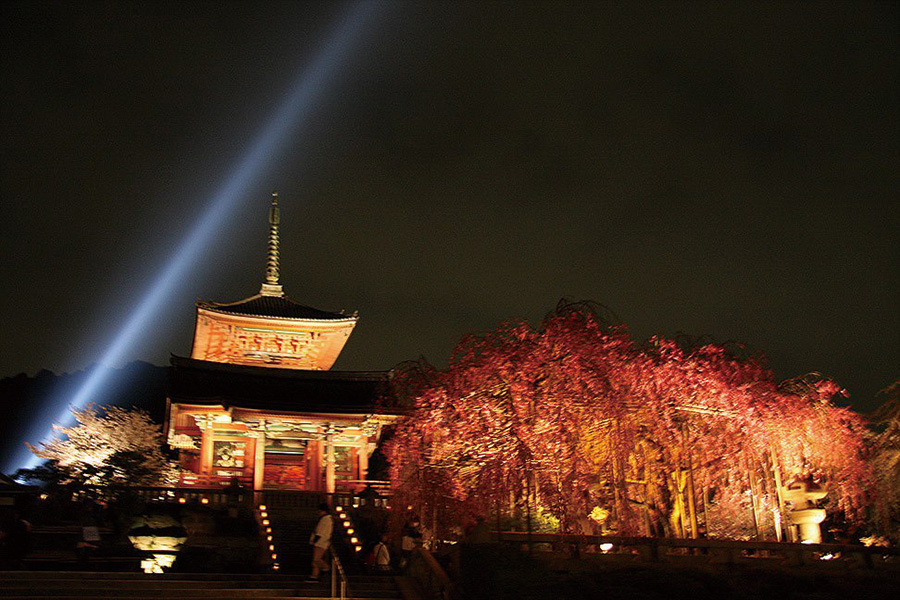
(272,286)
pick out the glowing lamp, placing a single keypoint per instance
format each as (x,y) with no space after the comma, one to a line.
(606,547)
(353,540)
(265,521)
(182,500)
(338,508)
(262,507)
(204,501)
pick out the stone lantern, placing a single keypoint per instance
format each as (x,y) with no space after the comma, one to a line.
(805,513)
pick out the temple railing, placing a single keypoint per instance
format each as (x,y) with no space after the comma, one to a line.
(287,499)
(239,495)
(358,485)
(690,551)
(191,480)
(214,496)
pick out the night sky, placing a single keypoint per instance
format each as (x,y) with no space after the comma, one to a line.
(721,169)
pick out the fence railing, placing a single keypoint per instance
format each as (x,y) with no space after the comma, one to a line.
(231,496)
(339,584)
(217,496)
(690,551)
(287,499)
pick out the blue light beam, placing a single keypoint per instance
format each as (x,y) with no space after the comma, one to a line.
(290,114)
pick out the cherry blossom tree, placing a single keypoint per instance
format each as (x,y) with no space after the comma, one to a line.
(573,418)
(108,446)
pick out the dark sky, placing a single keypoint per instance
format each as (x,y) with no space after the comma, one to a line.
(722,169)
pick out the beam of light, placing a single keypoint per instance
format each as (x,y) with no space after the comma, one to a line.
(293,110)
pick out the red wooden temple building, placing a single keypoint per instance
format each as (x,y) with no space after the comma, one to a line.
(257,403)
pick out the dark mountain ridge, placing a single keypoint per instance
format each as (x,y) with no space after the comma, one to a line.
(28,404)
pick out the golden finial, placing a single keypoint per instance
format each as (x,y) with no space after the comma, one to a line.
(272,287)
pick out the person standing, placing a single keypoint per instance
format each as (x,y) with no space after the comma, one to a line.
(14,536)
(321,540)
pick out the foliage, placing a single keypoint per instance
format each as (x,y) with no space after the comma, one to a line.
(886,464)
(107,447)
(572,414)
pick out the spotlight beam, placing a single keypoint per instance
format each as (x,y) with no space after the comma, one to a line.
(292,111)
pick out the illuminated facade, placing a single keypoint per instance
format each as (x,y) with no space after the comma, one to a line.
(256,402)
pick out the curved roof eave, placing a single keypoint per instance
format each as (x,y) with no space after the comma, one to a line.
(278,307)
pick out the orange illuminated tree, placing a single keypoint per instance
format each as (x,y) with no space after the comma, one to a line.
(573,423)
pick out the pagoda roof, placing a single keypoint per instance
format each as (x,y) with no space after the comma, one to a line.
(262,305)
(205,383)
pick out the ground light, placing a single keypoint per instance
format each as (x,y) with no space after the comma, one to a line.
(347,522)
(263,514)
(296,108)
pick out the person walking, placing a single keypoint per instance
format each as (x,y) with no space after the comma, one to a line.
(381,556)
(321,540)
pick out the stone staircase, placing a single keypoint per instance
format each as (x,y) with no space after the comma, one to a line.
(22,585)
(291,530)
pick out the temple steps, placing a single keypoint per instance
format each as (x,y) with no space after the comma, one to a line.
(138,586)
(291,530)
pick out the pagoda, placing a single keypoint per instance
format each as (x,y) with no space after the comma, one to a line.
(269,329)
(257,404)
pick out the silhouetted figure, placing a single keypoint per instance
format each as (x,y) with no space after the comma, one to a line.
(409,537)
(14,535)
(480,532)
(89,542)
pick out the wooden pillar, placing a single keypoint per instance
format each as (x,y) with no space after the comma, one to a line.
(206,448)
(329,463)
(259,457)
(314,465)
(363,454)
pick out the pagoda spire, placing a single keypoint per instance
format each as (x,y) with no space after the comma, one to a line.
(272,286)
